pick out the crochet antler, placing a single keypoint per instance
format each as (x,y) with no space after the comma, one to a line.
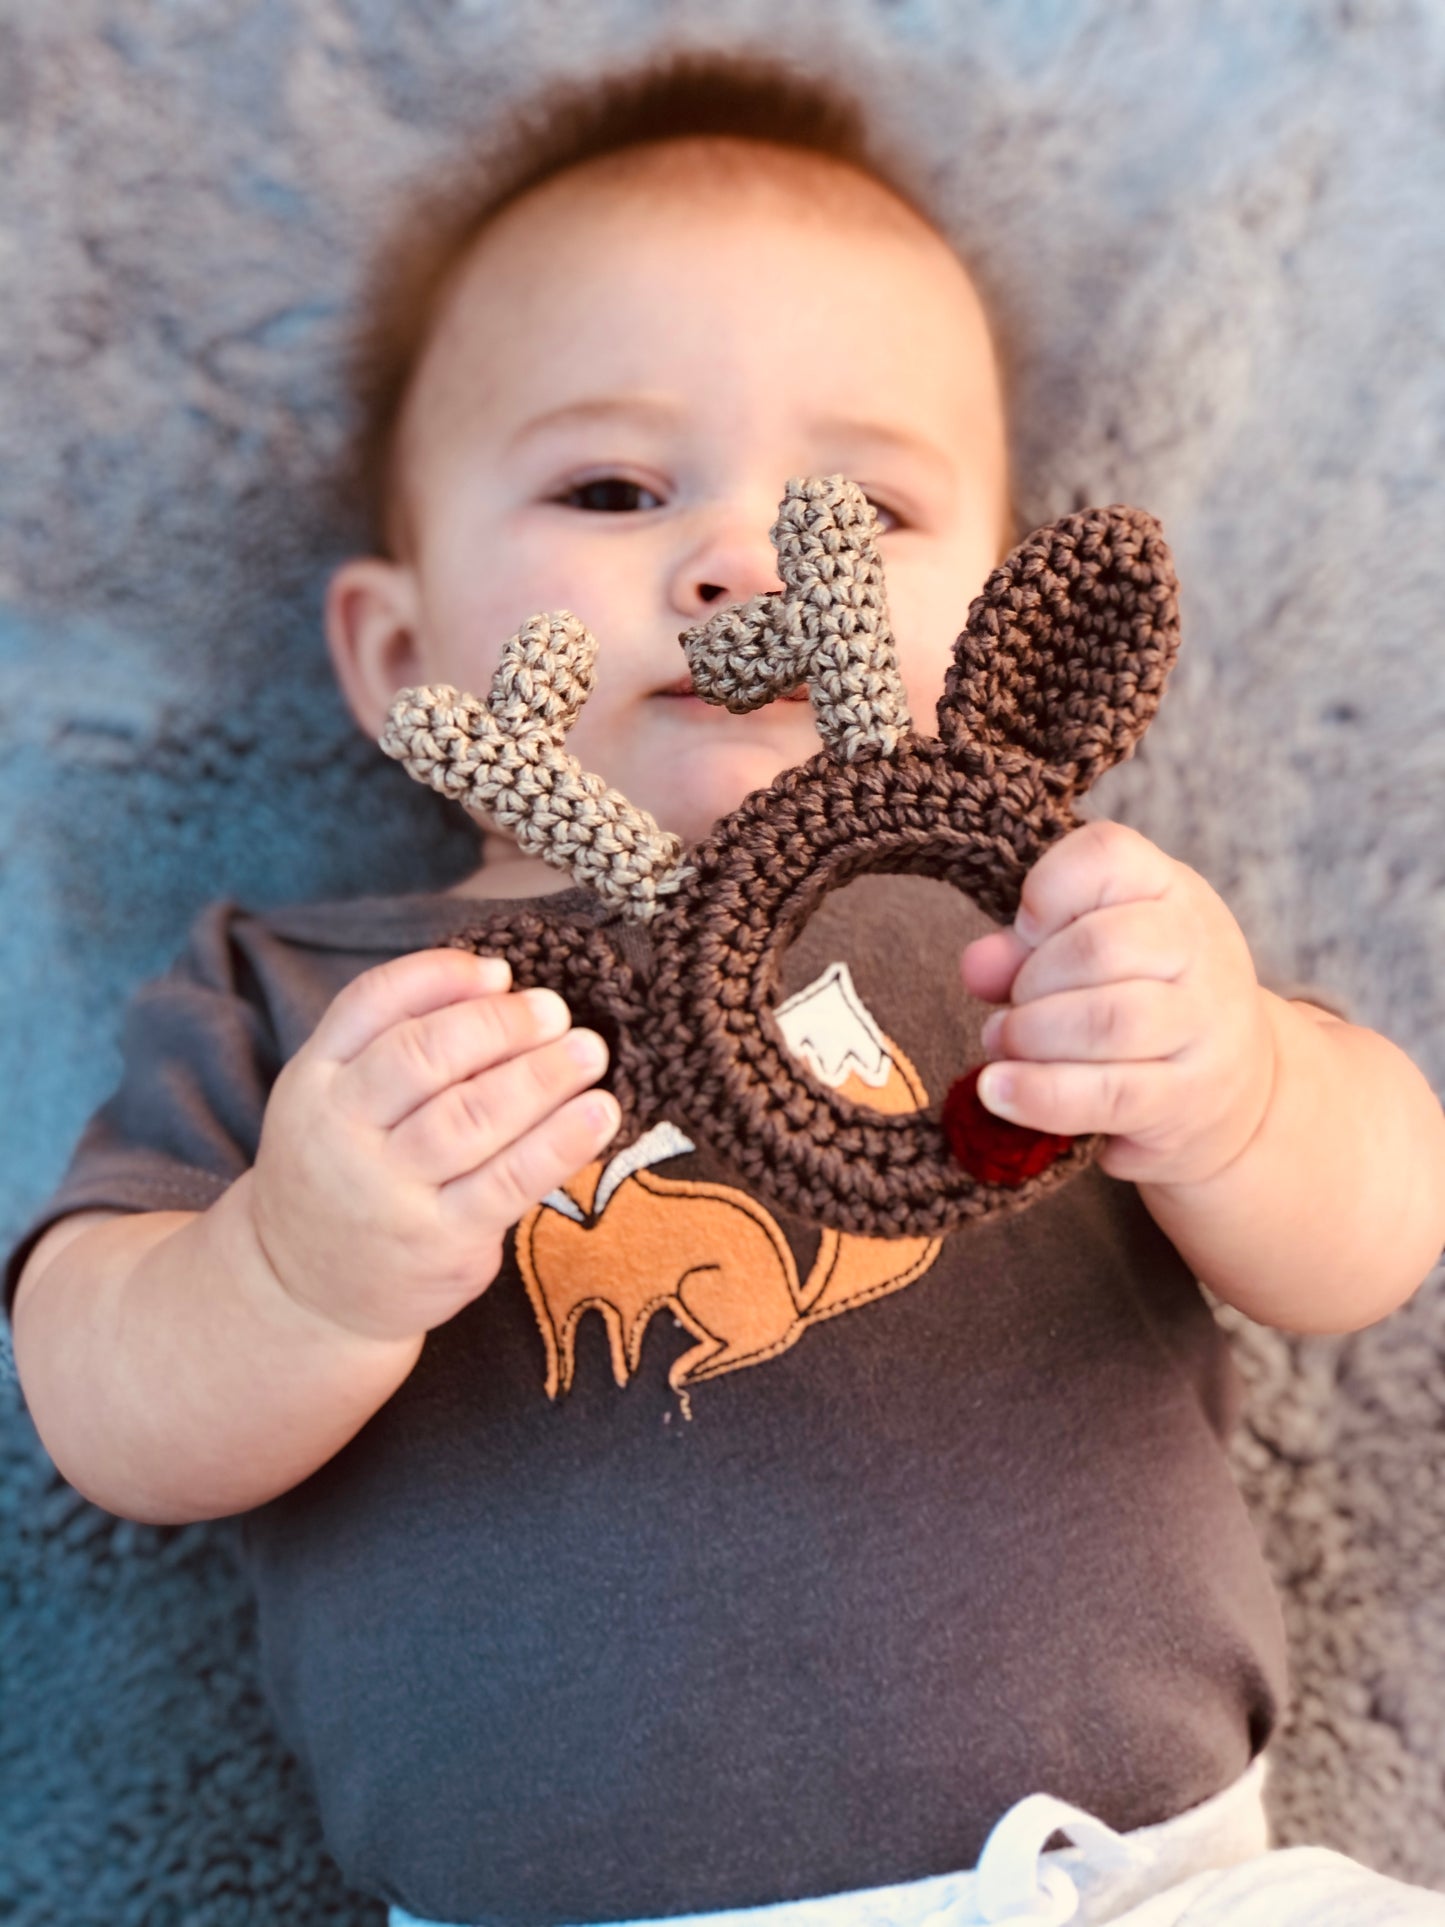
(506,757)
(828,628)
(1056,675)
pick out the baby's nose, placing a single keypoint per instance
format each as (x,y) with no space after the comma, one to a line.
(731,563)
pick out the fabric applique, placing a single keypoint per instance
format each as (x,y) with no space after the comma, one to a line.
(621,1240)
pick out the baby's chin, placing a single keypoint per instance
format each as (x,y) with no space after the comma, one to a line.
(688,796)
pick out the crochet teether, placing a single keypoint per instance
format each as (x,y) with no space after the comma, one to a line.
(1056,675)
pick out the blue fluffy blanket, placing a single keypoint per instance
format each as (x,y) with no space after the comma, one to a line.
(1213,233)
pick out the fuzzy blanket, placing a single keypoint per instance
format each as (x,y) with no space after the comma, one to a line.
(1212,232)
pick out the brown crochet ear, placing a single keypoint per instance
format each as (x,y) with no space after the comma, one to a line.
(1066,651)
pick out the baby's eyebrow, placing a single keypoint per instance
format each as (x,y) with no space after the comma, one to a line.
(650,411)
(856,435)
(885,436)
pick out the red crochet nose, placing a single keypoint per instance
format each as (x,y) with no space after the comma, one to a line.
(990,1148)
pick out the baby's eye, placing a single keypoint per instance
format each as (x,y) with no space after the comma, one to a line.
(610,495)
(887,519)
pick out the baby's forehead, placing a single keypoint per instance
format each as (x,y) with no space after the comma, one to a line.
(680,187)
(675,197)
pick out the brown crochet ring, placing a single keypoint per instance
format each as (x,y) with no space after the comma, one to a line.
(1055,677)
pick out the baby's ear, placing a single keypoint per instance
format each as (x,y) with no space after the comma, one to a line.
(1066,651)
(371,620)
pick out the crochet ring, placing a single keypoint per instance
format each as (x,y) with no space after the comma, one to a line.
(1056,675)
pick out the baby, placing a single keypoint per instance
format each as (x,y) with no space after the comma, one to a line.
(860,1623)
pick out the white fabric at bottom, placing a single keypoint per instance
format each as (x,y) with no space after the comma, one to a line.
(1209,1867)
(1291,1887)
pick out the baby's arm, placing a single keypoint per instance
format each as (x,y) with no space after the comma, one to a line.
(189,1365)
(171,1376)
(1333,1212)
(1295,1161)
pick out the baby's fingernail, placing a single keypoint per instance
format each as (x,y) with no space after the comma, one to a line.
(586,1049)
(548,1009)
(494,972)
(989,1035)
(1025,929)
(996,1090)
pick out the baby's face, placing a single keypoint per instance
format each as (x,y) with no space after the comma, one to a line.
(625,376)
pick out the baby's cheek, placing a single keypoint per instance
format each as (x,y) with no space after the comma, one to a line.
(925,616)
(925,666)
(484,583)
(466,624)
(552,558)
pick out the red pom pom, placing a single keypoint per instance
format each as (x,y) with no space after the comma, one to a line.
(990,1148)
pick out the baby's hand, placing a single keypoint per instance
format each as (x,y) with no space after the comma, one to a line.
(1135,1009)
(430,1108)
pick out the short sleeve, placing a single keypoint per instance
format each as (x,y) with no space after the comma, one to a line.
(199,1057)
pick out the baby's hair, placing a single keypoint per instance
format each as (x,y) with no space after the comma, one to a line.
(689,95)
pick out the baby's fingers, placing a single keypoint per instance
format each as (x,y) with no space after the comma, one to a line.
(472,1121)
(989,965)
(410,1064)
(1076,1100)
(404,988)
(493,1197)
(1142,1019)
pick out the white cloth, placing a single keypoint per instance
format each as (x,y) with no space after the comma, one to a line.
(1208,1867)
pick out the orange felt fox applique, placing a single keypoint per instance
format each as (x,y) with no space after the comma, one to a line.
(621,1240)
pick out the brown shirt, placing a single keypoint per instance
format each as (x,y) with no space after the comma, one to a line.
(711,1559)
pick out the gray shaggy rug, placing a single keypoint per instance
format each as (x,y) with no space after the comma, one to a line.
(1213,234)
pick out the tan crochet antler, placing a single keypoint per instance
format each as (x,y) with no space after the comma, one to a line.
(829,627)
(506,757)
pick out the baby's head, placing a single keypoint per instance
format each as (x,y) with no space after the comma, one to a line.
(586,390)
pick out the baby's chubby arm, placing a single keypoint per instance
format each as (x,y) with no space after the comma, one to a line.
(184,1365)
(1295,1161)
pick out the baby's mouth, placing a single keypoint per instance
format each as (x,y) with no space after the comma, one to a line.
(683,687)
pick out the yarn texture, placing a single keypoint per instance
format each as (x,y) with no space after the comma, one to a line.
(1057,673)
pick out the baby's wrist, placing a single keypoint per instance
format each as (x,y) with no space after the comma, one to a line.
(1222,1130)
(1248,1117)
(276,1298)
